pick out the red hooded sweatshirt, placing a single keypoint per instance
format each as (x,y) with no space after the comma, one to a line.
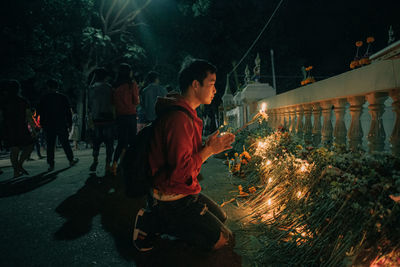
(174,154)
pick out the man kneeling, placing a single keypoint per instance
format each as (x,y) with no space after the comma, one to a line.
(176,206)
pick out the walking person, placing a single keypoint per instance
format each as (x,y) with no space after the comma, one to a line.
(149,96)
(176,206)
(102,115)
(125,99)
(74,134)
(17,116)
(56,119)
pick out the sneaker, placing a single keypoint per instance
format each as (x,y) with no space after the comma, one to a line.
(73,162)
(140,239)
(93,167)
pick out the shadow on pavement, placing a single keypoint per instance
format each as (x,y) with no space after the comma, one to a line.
(17,186)
(105,196)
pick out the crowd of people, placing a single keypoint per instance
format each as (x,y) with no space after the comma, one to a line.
(175,207)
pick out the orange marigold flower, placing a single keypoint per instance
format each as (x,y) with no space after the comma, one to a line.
(226,154)
(359,43)
(236,154)
(370,39)
(246,155)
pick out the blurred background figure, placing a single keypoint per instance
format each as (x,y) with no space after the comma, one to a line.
(17,116)
(102,116)
(125,99)
(74,134)
(56,119)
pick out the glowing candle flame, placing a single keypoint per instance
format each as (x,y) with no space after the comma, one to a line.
(270,180)
(303,168)
(269,162)
(299,194)
(269,202)
(263,107)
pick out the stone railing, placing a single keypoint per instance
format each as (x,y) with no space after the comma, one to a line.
(333,110)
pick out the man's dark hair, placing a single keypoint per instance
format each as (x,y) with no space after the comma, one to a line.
(124,75)
(100,74)
(194,69)
(151,77)
(52,84)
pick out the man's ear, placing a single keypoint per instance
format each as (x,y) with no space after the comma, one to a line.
(195,84)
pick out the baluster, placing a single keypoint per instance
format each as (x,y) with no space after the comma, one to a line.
(340,130)
(395,137)
(278,117)
(299,124)
(326,107)
(287,118)
(376,135)
(282,117)
(274,121)
(307,124)
(355,132)
(316,131)
(270,118)
(292,119)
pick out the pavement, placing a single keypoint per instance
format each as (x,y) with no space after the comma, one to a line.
(71,217)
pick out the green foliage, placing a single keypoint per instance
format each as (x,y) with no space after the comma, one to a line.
(194,8)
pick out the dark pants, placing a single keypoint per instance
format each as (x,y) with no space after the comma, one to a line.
(62,135)
(195,219)
(126,131)
(103,133)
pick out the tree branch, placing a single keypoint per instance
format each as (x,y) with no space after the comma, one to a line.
(119,13)
(101,12)
(108,16)
(126,20)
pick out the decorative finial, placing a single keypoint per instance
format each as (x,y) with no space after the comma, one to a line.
(247,75)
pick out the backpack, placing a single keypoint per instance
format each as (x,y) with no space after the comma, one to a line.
(135,167)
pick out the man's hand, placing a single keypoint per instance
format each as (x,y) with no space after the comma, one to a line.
(219,143)
(216,144)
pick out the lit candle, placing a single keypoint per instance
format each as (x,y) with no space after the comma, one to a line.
(263,107)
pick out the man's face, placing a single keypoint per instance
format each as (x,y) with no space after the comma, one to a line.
(206,92)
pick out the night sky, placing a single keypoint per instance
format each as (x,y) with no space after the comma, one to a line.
(302,33)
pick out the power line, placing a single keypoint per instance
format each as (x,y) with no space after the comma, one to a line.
(258,37)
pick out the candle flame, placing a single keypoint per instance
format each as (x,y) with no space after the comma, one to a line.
(263,107)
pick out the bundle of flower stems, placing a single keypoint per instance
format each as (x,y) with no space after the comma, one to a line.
(322,207)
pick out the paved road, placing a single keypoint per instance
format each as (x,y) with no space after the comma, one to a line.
(70,217)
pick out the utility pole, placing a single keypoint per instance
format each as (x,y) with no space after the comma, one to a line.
(273,70)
